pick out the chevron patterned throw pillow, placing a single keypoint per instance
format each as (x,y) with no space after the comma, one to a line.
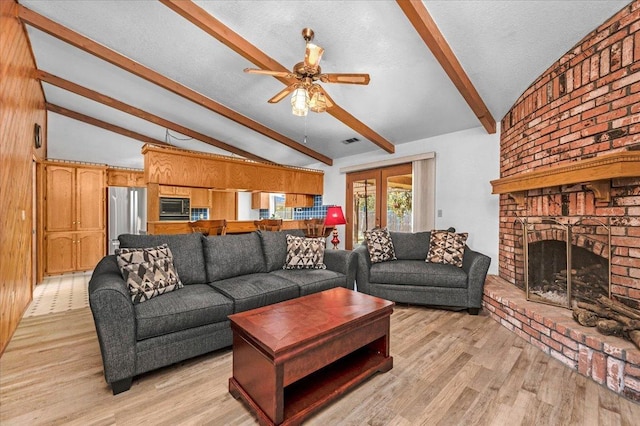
(148,272)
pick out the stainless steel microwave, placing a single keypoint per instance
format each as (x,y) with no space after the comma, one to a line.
(174,208)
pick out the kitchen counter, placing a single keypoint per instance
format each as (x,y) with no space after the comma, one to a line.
(233,226)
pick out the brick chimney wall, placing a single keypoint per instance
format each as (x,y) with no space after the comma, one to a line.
(585,105)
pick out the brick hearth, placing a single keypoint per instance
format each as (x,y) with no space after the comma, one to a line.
(610,361)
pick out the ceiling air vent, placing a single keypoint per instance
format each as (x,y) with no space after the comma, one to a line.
(348,141)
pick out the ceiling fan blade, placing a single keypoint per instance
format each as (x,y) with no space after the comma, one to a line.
(283,93)
(285,74)
(312,56)
(345,78)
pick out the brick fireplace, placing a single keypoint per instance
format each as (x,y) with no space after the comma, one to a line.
(570,150)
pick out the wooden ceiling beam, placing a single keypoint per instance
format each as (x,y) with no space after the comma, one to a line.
(426,27)
(203,20)
(137,112)
(81,42)
(102,124)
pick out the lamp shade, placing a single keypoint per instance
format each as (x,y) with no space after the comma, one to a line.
(334,216)
(300,102)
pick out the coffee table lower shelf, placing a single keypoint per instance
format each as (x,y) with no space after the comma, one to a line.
(314,391)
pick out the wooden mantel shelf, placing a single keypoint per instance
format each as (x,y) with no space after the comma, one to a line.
(595,173)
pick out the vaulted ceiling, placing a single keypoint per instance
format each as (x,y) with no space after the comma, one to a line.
(117,74)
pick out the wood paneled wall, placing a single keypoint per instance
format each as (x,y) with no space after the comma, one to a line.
(21,106)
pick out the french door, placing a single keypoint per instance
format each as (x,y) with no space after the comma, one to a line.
(378,198)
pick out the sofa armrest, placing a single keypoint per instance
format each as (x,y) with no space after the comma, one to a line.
(476,265)
(115,320)
(364,265)
(342,261)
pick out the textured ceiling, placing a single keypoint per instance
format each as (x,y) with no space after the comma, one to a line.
(502,45)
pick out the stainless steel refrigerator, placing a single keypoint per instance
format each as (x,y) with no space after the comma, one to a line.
(127,213)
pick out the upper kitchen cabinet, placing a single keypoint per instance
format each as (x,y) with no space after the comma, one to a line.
(298,200)
(125,177)
(174,191)
(260,200)
(200,198)
(75,198)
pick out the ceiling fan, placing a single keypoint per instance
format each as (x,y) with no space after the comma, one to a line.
(307,93)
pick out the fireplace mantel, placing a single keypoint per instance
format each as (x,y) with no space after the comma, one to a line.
(595,173)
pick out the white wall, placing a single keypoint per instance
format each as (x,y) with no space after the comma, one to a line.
(465,163)
(244,207)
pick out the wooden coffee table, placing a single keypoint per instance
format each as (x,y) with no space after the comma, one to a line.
(292,358)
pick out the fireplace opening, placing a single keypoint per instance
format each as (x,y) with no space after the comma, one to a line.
(548,273)
(566,260)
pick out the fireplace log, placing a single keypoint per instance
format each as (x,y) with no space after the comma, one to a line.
(619,307)
(635,337)
(601,312)
(629,324)
(585,317)
(609,327)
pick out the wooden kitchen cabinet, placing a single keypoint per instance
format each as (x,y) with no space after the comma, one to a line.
(200,198)
(75,198)
(260,200)
(174,191)
(298,200)
(224,205)
(74,224)
(124,177)
(73,251)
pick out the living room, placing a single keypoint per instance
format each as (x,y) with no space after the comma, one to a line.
(468,159)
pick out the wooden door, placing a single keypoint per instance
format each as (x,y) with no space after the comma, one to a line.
(90,248)
(60,200)
(90,199)
(378,198)
(60,249)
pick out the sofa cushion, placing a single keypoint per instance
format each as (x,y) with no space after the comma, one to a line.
(186,249)
(447,247)
(148,272)
(274,247)
(256,290)
(380,245)
(409,245)
(305,253)
(193,306)
(230,256)
(312,280)
(418,272)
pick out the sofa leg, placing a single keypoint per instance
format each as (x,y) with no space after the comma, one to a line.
(474,311)
(120,386)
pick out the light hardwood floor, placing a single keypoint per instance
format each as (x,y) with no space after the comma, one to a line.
(449,369)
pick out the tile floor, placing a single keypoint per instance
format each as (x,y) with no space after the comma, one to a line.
(60,293)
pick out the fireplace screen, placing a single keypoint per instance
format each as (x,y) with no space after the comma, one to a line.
(566,262)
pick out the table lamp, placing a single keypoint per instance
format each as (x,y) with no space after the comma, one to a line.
(334,217)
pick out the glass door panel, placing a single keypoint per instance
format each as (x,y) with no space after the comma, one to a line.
(398,183)
(362,205)
(370,192)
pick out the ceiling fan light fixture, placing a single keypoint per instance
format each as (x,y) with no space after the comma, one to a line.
(300,102)
(318,101)
(313,55)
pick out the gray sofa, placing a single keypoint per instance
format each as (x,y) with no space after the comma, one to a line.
(222,275)
(410,279)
